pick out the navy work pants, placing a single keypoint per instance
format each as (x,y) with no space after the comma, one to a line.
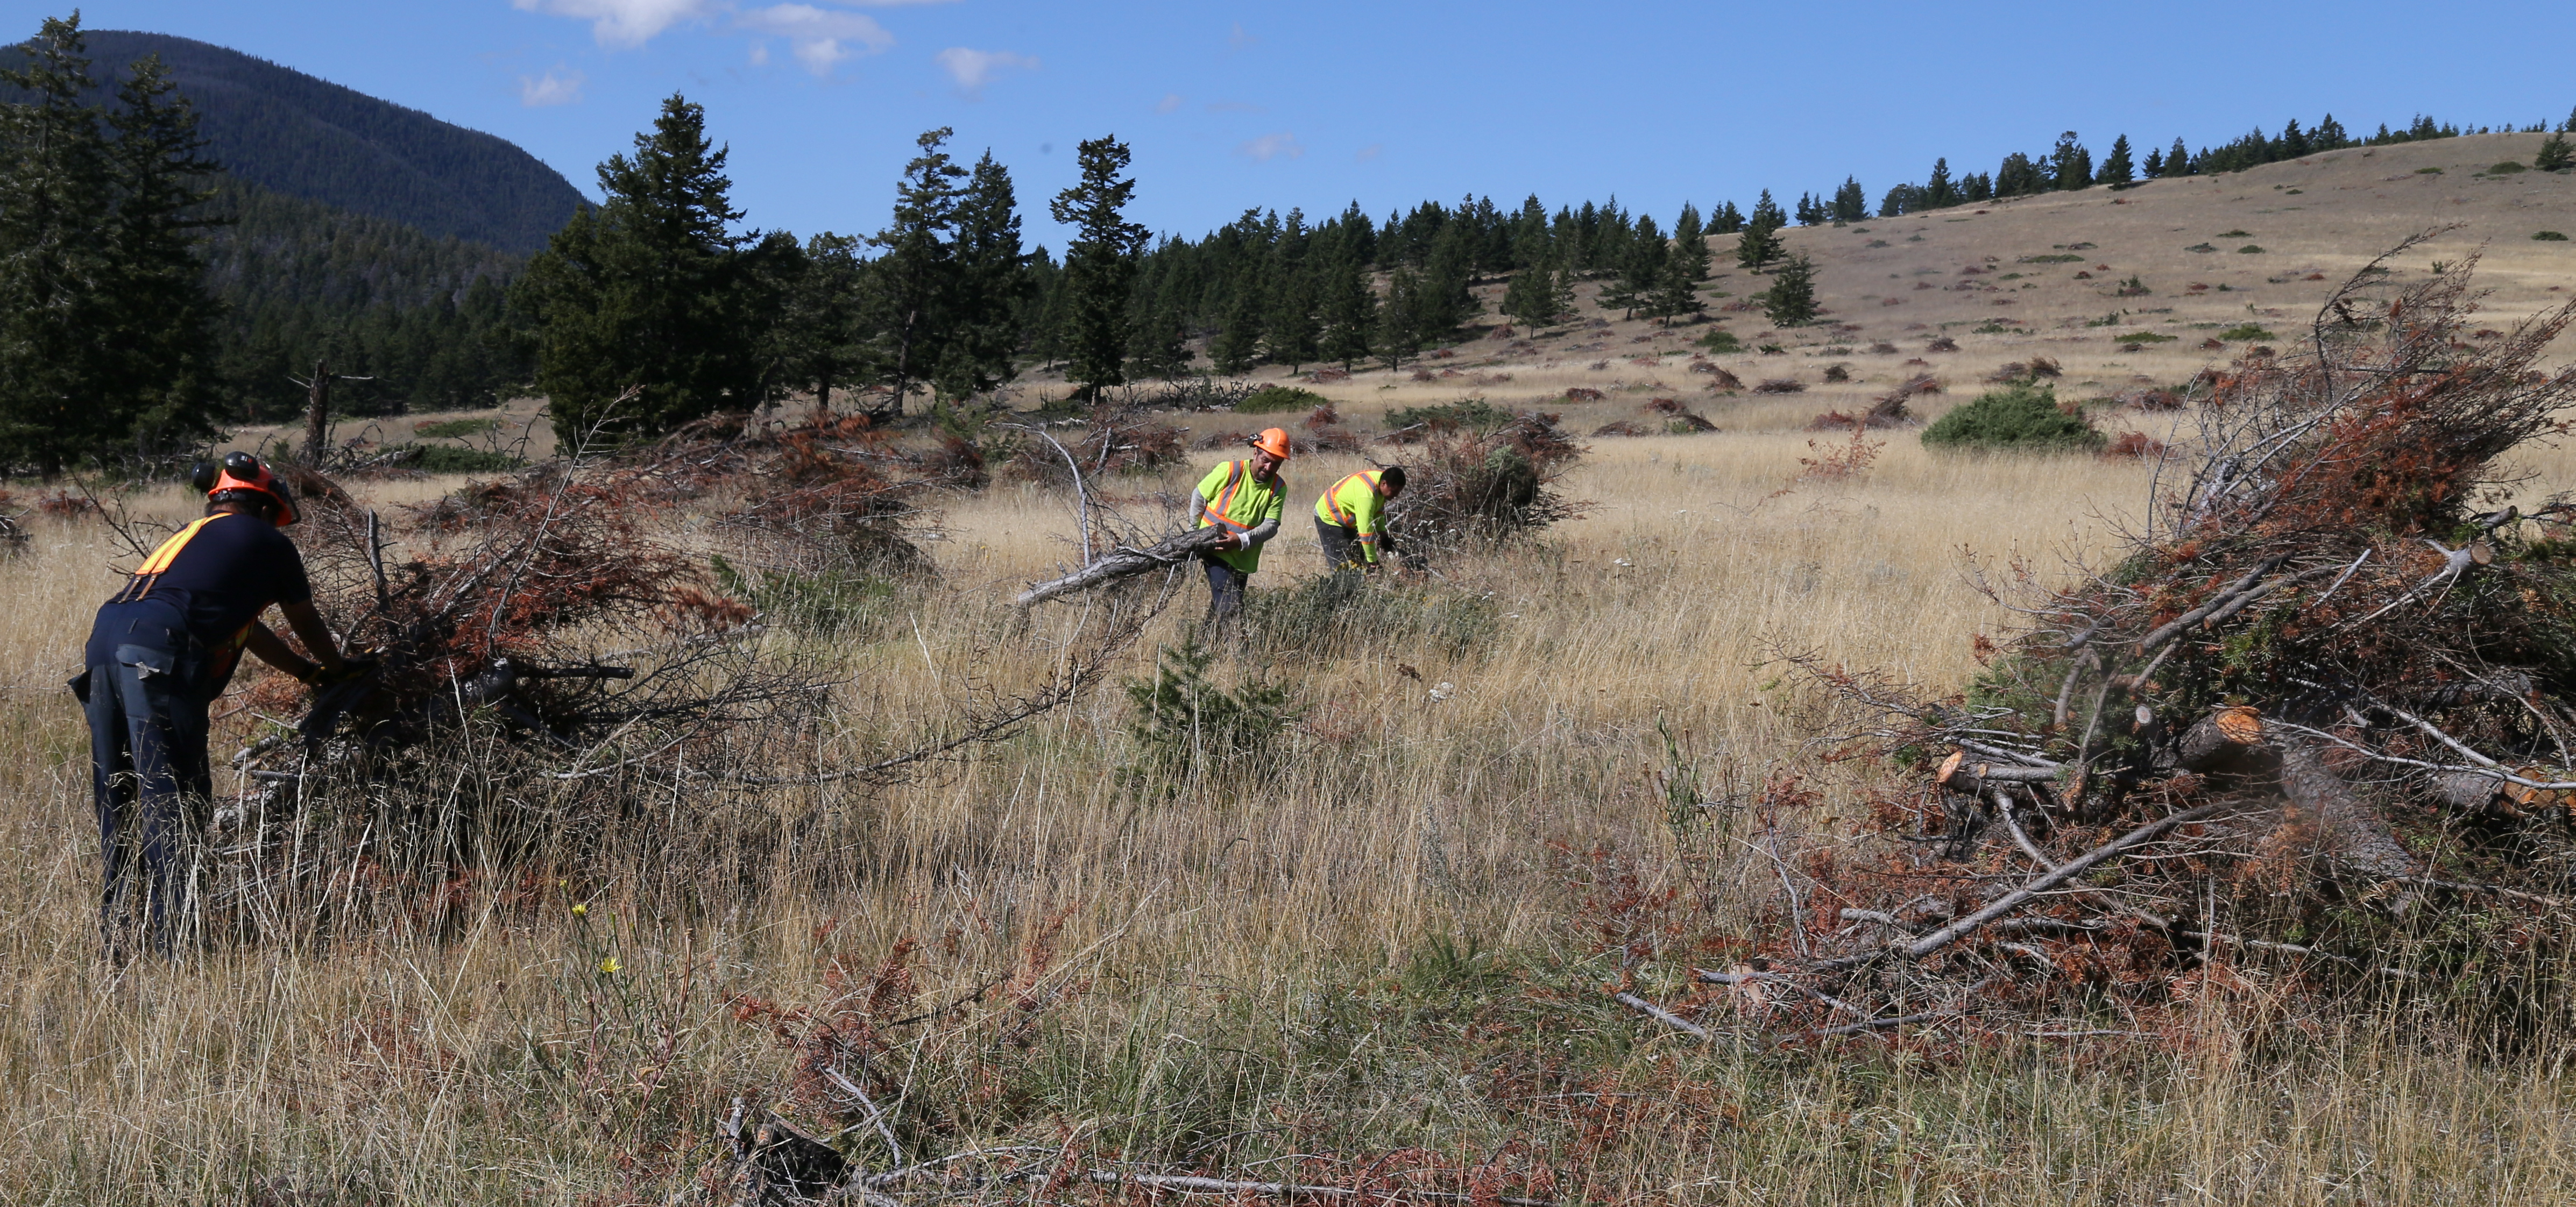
(150,776)
(1225,593)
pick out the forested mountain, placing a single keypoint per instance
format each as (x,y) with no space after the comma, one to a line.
(294,134)
(301,281)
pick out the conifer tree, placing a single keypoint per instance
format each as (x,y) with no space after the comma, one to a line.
(1976,186)
(1530,299)
(2155,164)
(1726,220)
(650,292)
(2070,166)
(1851,203)
(1446,298)
(1099,266)
(1643,271)
(1791,300)
(2178,159)
(1677,288)
(916,274)
(1289,331)
(1161,349)
(1939,192)
(2117,169)
(823,330)
(1349,310)
(2555,155)
(1760,242)
(1560,284)
(988,284)
(1810,212)
(1399,320)
(1238,341)
(159,394)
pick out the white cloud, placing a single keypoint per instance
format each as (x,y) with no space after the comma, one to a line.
(559,86)
(621,22)
(760,54)
(1272,146)
(972,69)
(1171,101)
(819,37)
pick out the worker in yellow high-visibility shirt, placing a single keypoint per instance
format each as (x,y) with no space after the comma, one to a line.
(1247,498)
(1350,519)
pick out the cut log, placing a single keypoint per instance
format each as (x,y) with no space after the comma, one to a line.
(1124,563)
(2221,741)
(2349,831)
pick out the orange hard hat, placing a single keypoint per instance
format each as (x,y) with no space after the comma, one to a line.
(240,471)
(1273,441)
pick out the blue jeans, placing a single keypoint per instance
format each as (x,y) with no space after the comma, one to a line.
(149,770)
(1225,593)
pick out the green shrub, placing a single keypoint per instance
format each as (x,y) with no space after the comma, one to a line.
(2250,249)
(2018,418)
(2066,258)
(2135,338)
(1992,327)
(1721,342)
(2237,234)
(1279,398)
(453,429)
(2246,333)
(2428,171)
(1331,615)
(2549,237)
(1474,414)
(450,459)
(2201,247)
(1186,726)
(2507,168)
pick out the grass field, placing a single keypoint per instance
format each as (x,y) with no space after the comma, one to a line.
(1393,942)
(1384,953)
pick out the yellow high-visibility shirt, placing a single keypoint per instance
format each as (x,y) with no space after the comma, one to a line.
(1354,503)
(1232,497)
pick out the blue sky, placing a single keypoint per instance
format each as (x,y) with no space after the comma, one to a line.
(1321,103)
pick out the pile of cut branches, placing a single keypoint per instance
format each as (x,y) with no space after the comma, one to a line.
(1465,484)
(2316,724)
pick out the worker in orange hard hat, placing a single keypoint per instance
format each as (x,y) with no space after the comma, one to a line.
(1247,499)
(159,653)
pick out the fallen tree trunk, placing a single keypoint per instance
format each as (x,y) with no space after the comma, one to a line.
(1124,562)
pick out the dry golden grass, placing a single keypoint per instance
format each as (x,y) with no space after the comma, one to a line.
(1277,962)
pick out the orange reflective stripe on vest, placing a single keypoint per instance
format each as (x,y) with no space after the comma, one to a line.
(1333,499)
(151,570)
(1235,473)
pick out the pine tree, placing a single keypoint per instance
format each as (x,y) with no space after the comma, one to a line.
(1643,271)
(1726,220)
(2070,165)
(2565,127)
(1976,186)
(2155,165)
(2555,155)
(987,283)
(1099,266)
(1938,192)
(1399,319)
(1676,291)
(648,292)
(2329,135)
(1560,287)
(1530,299)
(915,275)
(1810,212)
(1290,332)
(2178,160)
(1446,299)
(1851,203)
(823,332)
(1760,242)
(2117,169)
(1791,300)
(161,391)
(54,254)
(1349,310)
(1160,348)
(1238,341)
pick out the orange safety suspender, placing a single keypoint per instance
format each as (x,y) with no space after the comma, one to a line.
(152,568)
(1235,473)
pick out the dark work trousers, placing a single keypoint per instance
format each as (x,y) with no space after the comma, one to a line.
(1225,594)
(149,772)
(1342,553)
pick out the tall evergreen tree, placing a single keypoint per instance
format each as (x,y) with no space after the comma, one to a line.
(161,388)
(1349,309)
(1760,243)
(1726,220)
(823,330)
(1644,270)
(2117,169)
(2070,166)
(1400,319)
(916,268)
(1677,288)
(988,285)
(1851,202)
(2178,160)
(1791,300)
(2555,155)
(2154,167)
(1289,329)
(1938,192)
(649,292)
(1099,266)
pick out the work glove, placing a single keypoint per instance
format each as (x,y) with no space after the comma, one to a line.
(350,668)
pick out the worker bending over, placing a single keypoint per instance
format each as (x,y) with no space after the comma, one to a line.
(1247,498)
(159,654)
(1350,519)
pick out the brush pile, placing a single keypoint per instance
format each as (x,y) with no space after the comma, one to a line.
(2314,730)
(1468,483)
